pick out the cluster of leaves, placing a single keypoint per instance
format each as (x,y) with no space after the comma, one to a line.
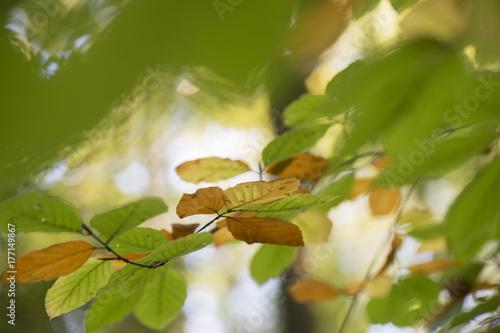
(409,138)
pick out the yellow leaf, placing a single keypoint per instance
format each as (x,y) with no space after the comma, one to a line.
(222,236)
(259,193)
(383,200)
(312,290)
(52,262)
(265,230)
(204,201)
(433,266)
(300,166)
(211,169)
(315,226)
(180,230)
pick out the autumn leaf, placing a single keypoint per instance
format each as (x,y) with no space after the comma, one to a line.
(259,193)
(301,166)
(168,235)
(117,264)
(204,201)
(265,230)
(222,236)
(211,169)
(361,185)
(180,230)
(434,266)
(312,290)
(383,200)
(382,162)
(52,262)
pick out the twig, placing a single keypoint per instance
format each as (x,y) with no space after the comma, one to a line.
(368,275)
(213,220)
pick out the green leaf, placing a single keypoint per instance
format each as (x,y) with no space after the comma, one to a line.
(76,289)
(161,300)
(409,301)
(340,188)
(382,90)
(488,306)
(474,217)
(138,240)
(271,261)
(108,309)
(292,142)
(400,5)
(430,232)
(285,215)
(181,247)
(38,212)
(361,7)
(294,201)
(309,109)
(119,220)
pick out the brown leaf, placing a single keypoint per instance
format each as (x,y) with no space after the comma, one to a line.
(433,266)
(259,193)
(222,236)
(312,290)
(211,169)
(204,201)
(168,235)
(300,166)
(117,264)
(361,185)
(265,230)
(383,200)
(180,230)
(52,262)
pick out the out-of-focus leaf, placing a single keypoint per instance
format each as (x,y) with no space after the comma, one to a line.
(315,226)
(361,7)
(211,169)
(432,267)
(340,188)
(433,157)
(474,217)
(138,240)
(429,232)
(181,246)
(161,300)
(294,201)
(400,5)
(259,193)
(180,230)
(361,185)
(222,236)
(119,220)
(483,30)
(312,291)
(383,200)
(300,166)
(409,301)
(271,261)
(488,306)
(76,289)
(204,201)
(295,141)
(52,262)
(38,212)
(265,230)
(108,309)
(309,109)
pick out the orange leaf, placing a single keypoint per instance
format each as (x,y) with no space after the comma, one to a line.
(168,235)
(52,262)
(259,193)
(360,186)
(300,166)
(204,201)
(265,230)
(117,264)
(222,236)
(180,230)
(312,290)
(433,266)
(382,162)
(383,200)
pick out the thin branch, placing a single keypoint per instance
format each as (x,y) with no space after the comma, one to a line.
(213,220)
(369,275)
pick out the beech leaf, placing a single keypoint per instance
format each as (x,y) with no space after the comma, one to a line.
(259,193)
(138,240)
(271,261)
(211,169)
(301,166)
(52,262)
(383,200)
(265,230)
(204,201)
(312,290)
(180,230)
(294,201)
